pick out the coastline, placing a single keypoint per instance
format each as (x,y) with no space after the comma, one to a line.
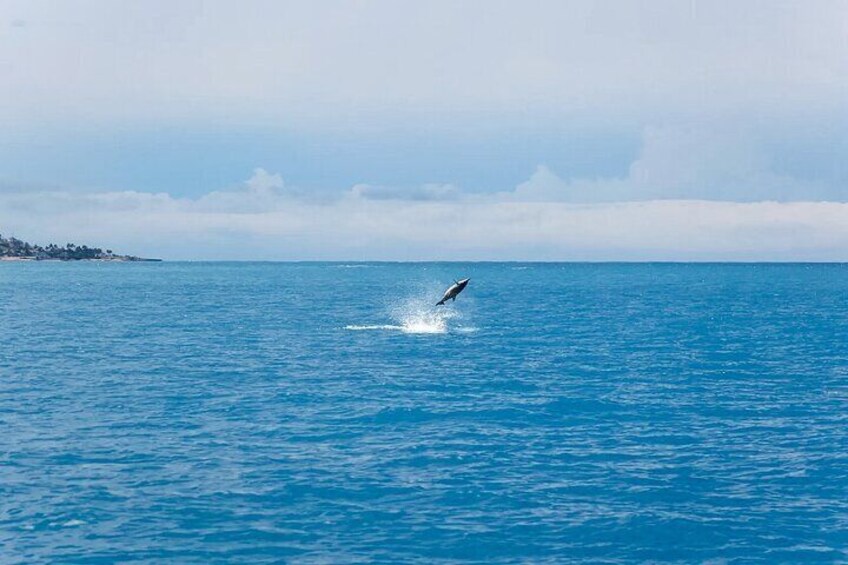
(98,259)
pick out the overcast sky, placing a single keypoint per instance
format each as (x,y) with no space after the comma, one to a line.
(587,130)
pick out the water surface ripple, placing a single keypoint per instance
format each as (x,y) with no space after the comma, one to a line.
(214,413)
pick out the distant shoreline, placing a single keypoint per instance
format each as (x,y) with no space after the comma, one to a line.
(14,249)
(97,259)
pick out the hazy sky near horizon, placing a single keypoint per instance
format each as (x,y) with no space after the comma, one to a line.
(658,129)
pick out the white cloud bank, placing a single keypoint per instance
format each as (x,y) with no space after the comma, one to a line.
(686,162)
(264,220)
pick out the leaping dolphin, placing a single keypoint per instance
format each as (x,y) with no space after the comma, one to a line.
(452,291)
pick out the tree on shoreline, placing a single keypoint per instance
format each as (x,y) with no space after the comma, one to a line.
(16,248)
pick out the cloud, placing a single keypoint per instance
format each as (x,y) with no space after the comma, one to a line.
(682,163)
(264,183)
(262,192)
(726,74)
(431,191)
(262,219)
(105,94)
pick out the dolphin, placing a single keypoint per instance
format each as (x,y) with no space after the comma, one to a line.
(453,290)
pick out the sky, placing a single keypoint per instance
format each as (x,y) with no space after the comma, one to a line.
(441,130)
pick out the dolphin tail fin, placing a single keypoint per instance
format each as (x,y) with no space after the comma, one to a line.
(440,302)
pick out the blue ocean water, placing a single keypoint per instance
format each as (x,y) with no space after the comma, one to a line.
(328,413)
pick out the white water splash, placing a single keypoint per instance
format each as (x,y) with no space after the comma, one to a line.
(418,316)
(415,323)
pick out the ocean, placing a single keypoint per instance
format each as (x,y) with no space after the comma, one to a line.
(329,413)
